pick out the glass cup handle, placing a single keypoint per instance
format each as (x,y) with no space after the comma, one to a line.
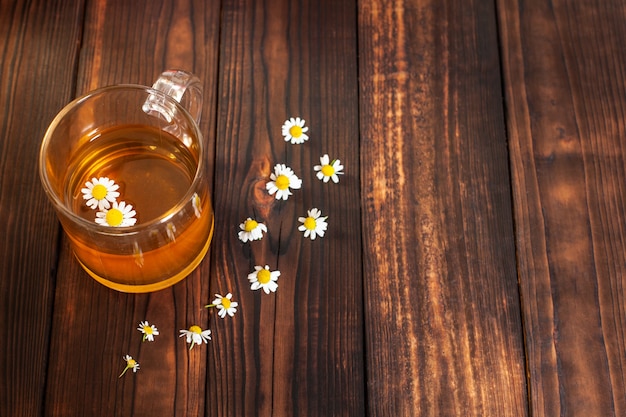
(182,86)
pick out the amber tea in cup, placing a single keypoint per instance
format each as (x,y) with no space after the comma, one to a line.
(125,168)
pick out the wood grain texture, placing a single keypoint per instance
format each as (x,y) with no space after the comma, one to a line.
(38,44)
(297,351)
(94,327)
(565,82)
(475,258)
(442,321)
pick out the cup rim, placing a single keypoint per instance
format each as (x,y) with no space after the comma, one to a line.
(127,230)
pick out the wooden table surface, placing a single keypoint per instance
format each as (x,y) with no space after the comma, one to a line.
(475,258)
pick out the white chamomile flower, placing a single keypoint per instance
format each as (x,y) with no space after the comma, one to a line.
(195,335)
(224,305)
(329,169)
(294,130)
(148,330)
(313,225)
(100,193)
(264,278)
(121,214)
(251,230)
(130,364)
(282,180)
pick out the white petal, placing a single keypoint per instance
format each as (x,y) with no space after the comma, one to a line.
(295,183)
(93,203)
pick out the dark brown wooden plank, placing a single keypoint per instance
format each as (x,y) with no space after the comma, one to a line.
(442,309)
(38,46)
(297,351)
(564,66)
(132,42)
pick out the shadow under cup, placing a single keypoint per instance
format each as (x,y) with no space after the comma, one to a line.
(147,145)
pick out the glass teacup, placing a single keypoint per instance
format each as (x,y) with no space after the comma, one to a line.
(125,169)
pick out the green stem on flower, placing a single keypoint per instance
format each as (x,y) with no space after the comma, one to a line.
(124,371)
(209,305)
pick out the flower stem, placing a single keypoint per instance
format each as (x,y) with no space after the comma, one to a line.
(124,371)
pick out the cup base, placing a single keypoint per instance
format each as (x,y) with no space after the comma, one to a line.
(128,288)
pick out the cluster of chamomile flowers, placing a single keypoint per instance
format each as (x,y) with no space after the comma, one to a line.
(194,335)
(101,194)
(281,183)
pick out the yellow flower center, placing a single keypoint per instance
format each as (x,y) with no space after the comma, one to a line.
(328,170)
(282,182)
(295,131)
(114,217)
(99,191)
(226,303)
(250,225)
(195,329)
(263,276)
(131,363)
(147,329)
(310,223)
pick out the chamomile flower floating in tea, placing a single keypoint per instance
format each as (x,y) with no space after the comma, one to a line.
(148,330)
(294,130)
(263,278)
(224,305)
(328,169)
(120,215)
(282,179)
(251,230)
(100,193)
(313,225)
(130,364)
(195,336)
